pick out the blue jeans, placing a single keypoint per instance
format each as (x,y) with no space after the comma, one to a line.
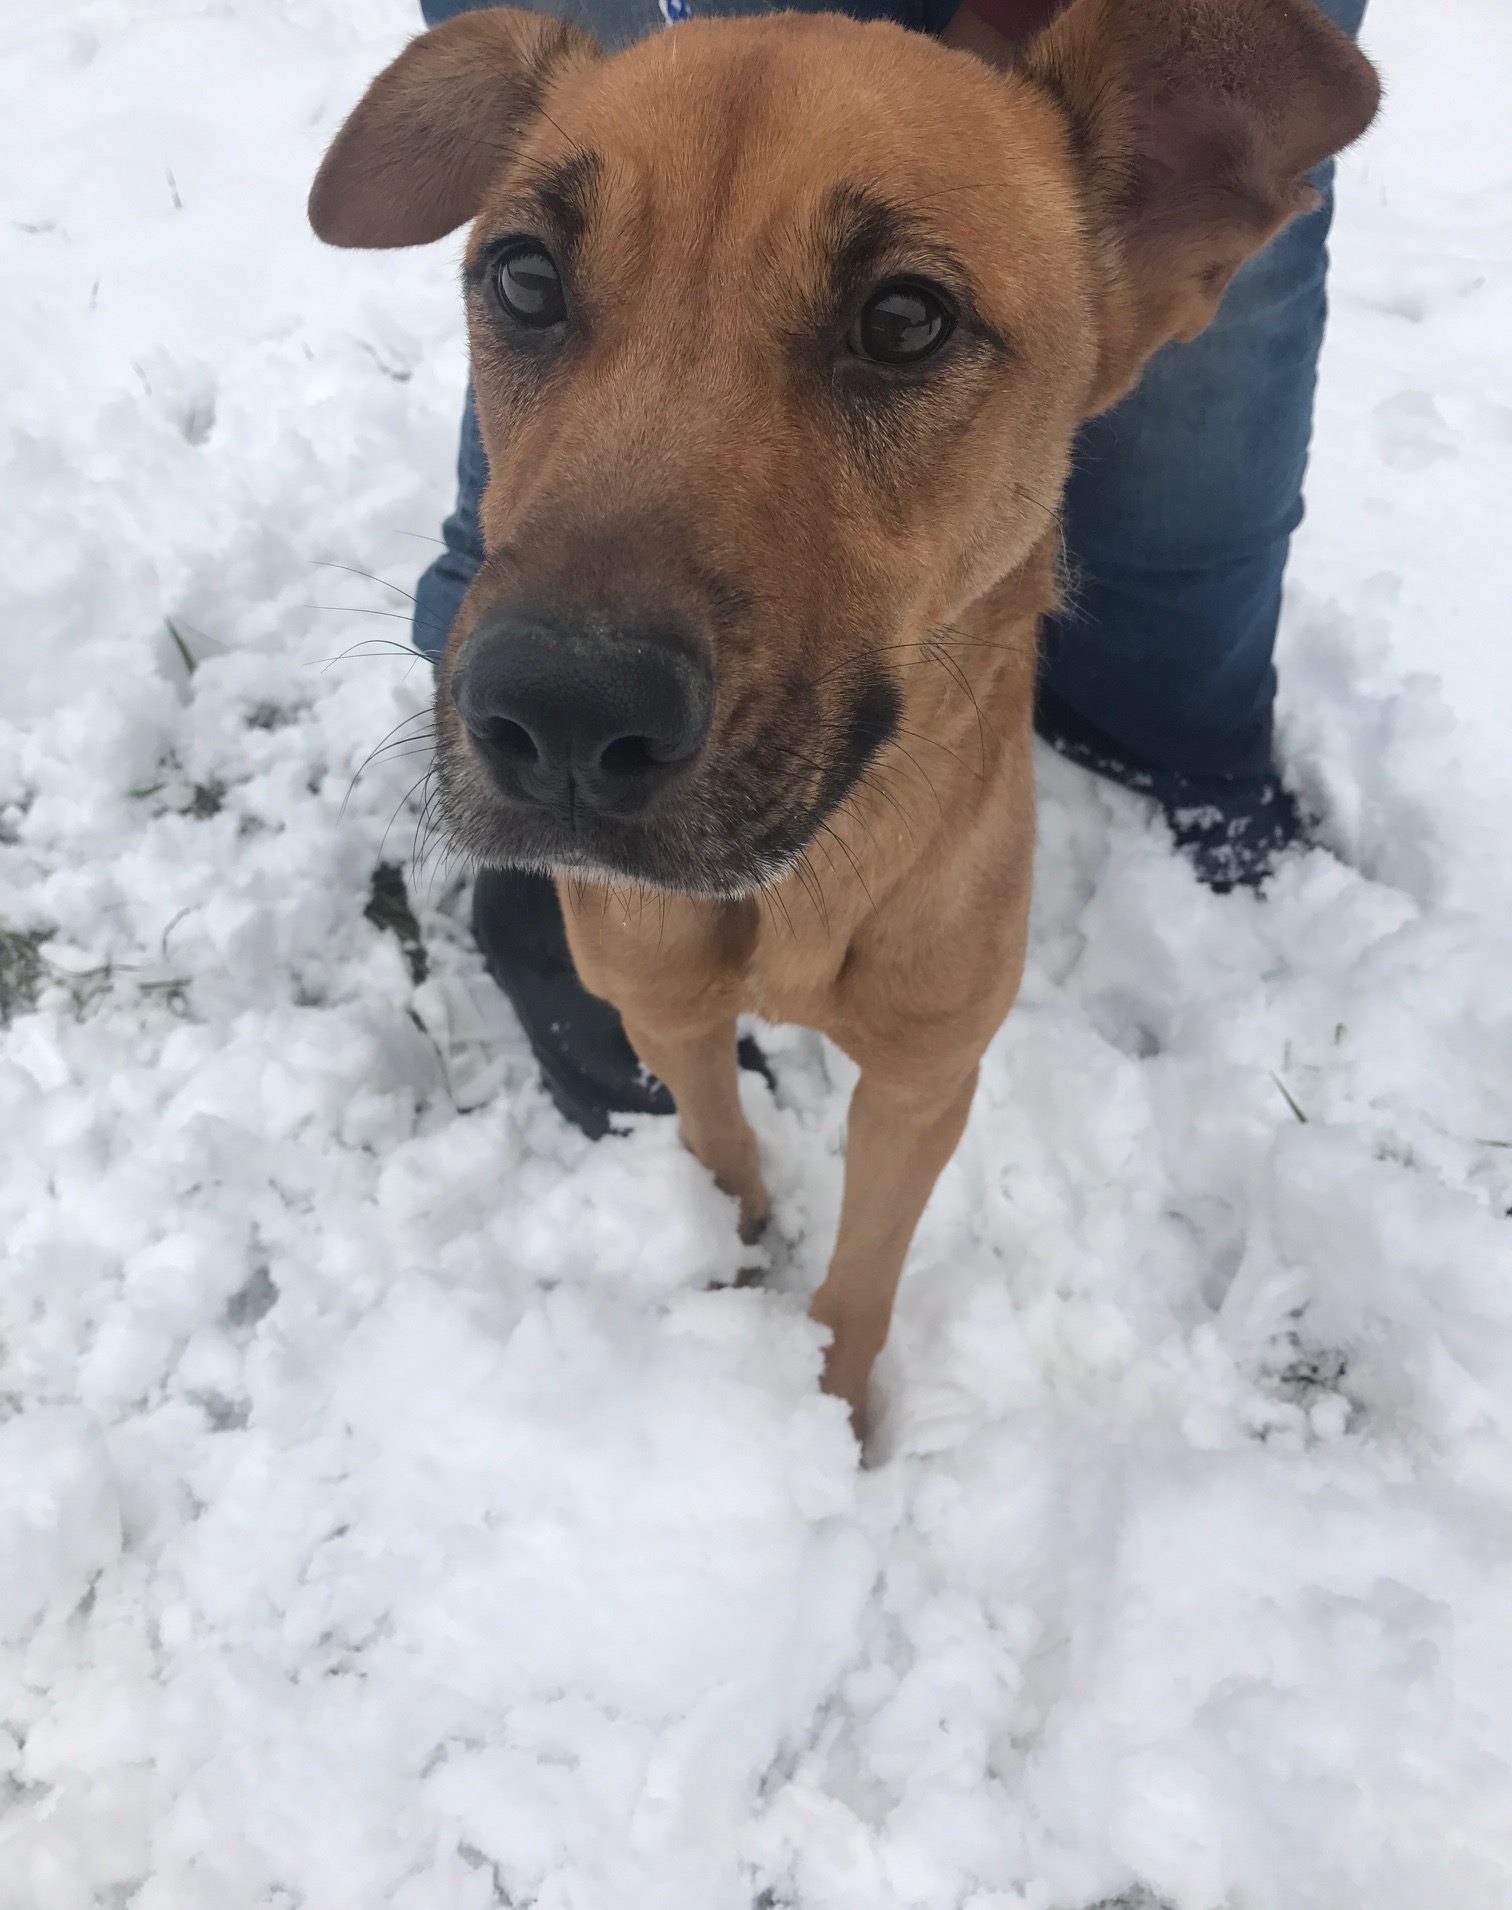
(1178,516)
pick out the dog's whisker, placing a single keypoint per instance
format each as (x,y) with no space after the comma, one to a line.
(927,647)
(876,765)
(847,803)
(846,851)
(847,807)
(423,624)
(809,874)
(967,640)
(920,736)
(959,676)
(368,647)
(957,639)
(774,900)
(427,798)
(969,185)
(870,779)
(402,752)
(1051,511)
(402,803)
(394,735)
(396,743)
(353,570)
(370,610)
(451,855)
(805,875)
(397,733)
(420,842)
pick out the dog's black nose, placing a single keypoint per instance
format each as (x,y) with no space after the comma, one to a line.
(567,715)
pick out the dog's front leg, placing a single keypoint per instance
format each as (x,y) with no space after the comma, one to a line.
(674,974)
(702,1075)
(900,1137)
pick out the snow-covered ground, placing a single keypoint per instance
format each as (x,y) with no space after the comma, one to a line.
(390,1514)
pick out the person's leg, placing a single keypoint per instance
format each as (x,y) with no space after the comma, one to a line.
(1178,519)
(444,582)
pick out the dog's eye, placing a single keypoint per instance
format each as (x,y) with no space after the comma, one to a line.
(902,324)
(530,287)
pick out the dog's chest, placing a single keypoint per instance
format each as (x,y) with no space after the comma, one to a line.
(806,967)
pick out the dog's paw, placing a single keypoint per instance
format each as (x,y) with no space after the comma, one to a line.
(754,1221)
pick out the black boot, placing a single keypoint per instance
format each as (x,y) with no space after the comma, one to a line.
(589,1068)
(1233,830)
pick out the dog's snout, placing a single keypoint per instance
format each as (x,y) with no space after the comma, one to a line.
(598,717)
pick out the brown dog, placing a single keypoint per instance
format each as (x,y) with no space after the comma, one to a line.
(781,333)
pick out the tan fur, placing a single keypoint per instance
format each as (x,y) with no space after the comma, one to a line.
(1099,186)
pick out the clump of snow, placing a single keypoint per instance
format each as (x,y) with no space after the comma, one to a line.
(390,1512)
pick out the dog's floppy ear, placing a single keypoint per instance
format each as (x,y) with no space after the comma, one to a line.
(1195,123)
(415,158)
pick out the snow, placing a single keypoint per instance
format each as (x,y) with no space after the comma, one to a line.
(390,1512)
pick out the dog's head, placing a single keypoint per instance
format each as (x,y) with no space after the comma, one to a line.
(781,332)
